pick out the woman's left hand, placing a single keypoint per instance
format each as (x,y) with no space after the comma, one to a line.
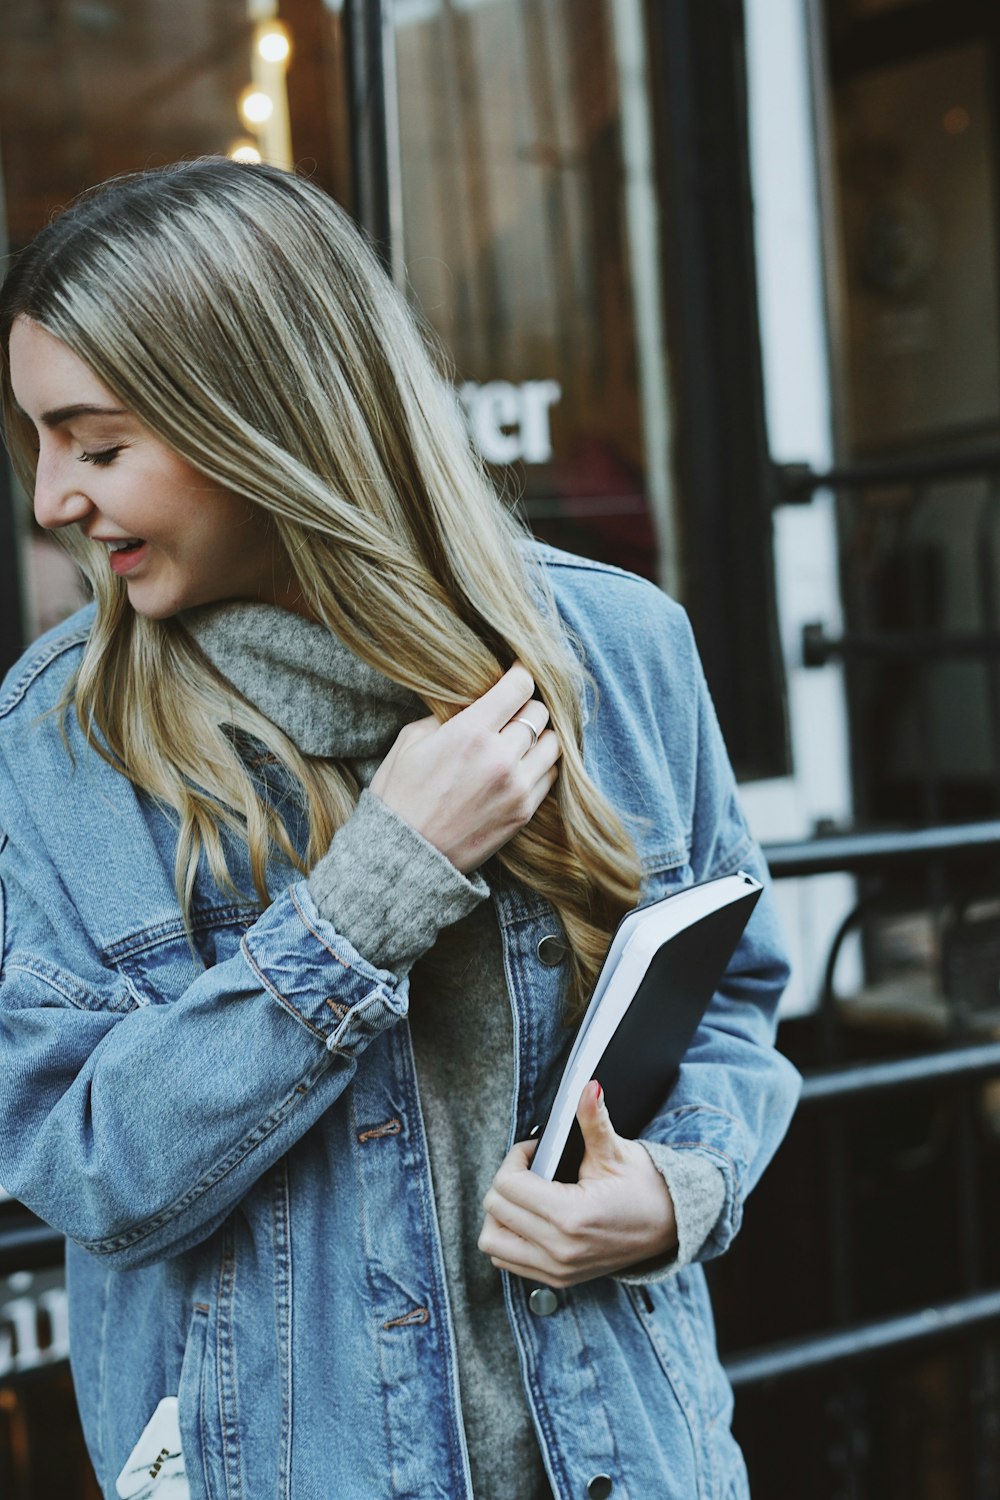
(618,1214)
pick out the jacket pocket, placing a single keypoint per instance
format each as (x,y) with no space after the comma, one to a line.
(46,983)
(194,1408)
(677,1318)
(672,1355)
(159,963)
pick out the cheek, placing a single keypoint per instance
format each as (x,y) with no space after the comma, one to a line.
(247,531)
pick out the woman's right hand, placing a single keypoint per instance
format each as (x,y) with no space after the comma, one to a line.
(470,784)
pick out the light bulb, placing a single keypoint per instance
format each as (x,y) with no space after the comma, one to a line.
(256,107)
(273,45)
(245,151)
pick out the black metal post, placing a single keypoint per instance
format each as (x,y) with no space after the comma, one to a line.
(698,62)
(365,28)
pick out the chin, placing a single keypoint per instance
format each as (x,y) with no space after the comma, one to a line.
(153,608)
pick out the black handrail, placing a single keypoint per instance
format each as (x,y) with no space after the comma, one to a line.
(957,1064)
(855,1343)
(862,1341)
(29,1246)
(797,483)
(856,853)
(818,648)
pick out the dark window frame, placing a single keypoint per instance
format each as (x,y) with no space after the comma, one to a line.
(723,468)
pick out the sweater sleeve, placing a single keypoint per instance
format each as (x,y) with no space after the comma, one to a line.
(698,1191)
(387,889)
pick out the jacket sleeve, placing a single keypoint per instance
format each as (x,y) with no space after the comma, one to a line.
(135,1127)
(735,1093)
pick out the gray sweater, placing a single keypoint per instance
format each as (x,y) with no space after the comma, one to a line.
(407,909)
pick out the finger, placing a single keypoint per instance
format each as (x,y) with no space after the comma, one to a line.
(521,1221)
(502,701)
(530,1191)
(534,714)
(543,755)
(518,1158)
(542,775)
(512,1253)
(601,1143)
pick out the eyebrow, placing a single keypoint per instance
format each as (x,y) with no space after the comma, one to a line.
(60,414)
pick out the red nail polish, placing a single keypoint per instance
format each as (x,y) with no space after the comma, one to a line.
(600,1092)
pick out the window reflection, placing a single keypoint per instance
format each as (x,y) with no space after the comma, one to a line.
(515,243)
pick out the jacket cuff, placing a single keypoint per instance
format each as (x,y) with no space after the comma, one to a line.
(386,889)
(698,1190)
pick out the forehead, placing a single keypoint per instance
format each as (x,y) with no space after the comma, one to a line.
(44,372)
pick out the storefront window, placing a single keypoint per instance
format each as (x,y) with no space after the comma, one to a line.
(530,242)
(917,360)
(917,180)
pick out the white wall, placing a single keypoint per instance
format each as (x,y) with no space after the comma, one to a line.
(786,195)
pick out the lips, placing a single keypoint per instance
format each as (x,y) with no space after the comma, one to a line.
(125,555)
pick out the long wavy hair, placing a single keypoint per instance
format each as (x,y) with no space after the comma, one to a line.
(238,313)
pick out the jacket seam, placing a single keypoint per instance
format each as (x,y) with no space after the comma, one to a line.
(125,1240)
(698,1111)
(553,557)
(205,918)
(282,999)
(78,995)
(310,927)
(38,664)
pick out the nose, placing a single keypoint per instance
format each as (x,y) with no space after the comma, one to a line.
(59,500)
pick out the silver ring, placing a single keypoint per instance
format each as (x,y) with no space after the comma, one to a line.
(531,730)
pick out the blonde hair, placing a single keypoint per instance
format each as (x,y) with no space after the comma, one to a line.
(238,313)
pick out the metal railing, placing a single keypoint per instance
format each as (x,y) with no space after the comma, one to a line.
(905,624)
(907,649)
(837,1357)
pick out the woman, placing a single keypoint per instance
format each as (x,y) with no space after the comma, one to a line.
(317,823)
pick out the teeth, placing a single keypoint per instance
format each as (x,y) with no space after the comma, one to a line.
(121,546)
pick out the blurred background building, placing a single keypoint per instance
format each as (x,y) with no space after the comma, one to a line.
(718,281)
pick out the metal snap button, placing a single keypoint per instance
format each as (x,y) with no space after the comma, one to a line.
(600,1487)
(551,950)
(543,1301)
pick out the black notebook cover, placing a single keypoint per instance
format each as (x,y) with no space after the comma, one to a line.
(642,1059)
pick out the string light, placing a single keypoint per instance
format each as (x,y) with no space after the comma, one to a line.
(245,151)
(256,107)
(273,43)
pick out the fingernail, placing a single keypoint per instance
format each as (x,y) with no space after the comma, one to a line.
(600,1093)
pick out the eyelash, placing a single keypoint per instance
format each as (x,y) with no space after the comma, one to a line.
(102,458)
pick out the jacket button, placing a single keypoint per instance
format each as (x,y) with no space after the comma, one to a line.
(551,950)
(543,1301)
(600,1487)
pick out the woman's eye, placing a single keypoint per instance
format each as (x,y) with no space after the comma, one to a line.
(102,457)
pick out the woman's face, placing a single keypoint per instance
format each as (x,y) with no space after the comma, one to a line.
(176,538)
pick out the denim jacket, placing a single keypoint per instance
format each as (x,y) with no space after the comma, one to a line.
(229,1131)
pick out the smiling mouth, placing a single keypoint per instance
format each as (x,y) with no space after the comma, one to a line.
(126,555)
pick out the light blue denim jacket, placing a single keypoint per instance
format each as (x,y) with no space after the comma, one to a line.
(204,1125)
